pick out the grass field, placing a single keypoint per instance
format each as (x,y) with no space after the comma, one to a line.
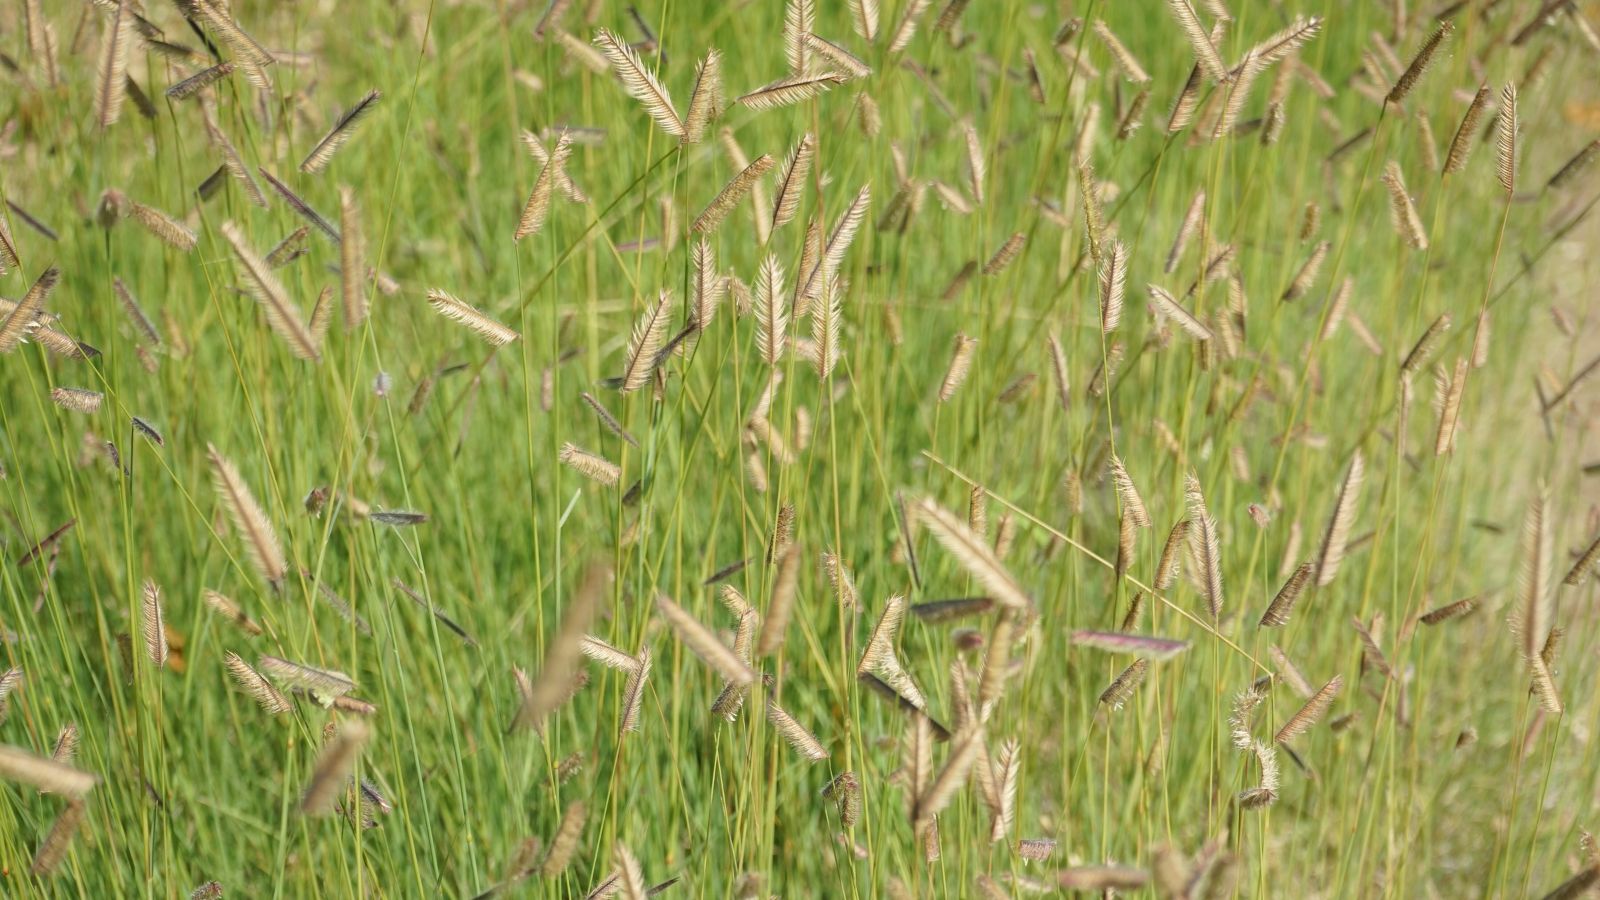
(595,534)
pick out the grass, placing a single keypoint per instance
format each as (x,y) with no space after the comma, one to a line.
(410,411)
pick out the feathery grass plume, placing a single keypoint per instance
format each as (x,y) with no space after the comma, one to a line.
(1402,211)
(269,698)
(960,364)
(845,791)
(563,652)
(644,346)
(169,230)
(1155,649)
(1204,547)
(491,331)
(1336,537)
(583,54)
(352,260)
(791,90)
(57,841)
(591,465)
(266,553)
(1278,610)
(803,741)
(1128,495)
(782,534)
(608,655)
(827,322)
(199,81)
(77,399)
(1122,687)
(537,210)
(1450,408)
(633,693)
(952,198)
(1133,118)
(252,58)
(978,510)
(1461,145)
(1450,611)
(229,610)
(1005,254)
(17,764)
(1506,140)
(110,85)
(1422,351)
(1242,79)
(630,877)
(9,680)
(950,15)
(951,609)
(775,625)
(325,684)
(231,160)
(1171,561)
(333,767)
(704,643)
(1306,277)
(799,17)
(977,168)
(906,29)
(264,286)
(341,132)
(1125,61)
(1007,768)
(155,628)
(1311,713)
(1371,652)
(996,662)
(1419,63)
(41,41)
(864,19)
(730,195)
(136,314)
(1580,161)
(639,82)
(792,181)
(1093,216)
(608,420)
(1585,565)
(1191,225)
(8,249)
(1205,52)
(1532,621)
(1188,99)
(845,63)
(1113,280)
(565,842)
(1168,307)
(839,241)
(943,787)
(397,518)
(973,553)
(705,99)
(839,578)
(541,155)
(1058,366)
(66,745)
(1337,305)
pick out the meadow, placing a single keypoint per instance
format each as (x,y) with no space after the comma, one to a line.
(498,448)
